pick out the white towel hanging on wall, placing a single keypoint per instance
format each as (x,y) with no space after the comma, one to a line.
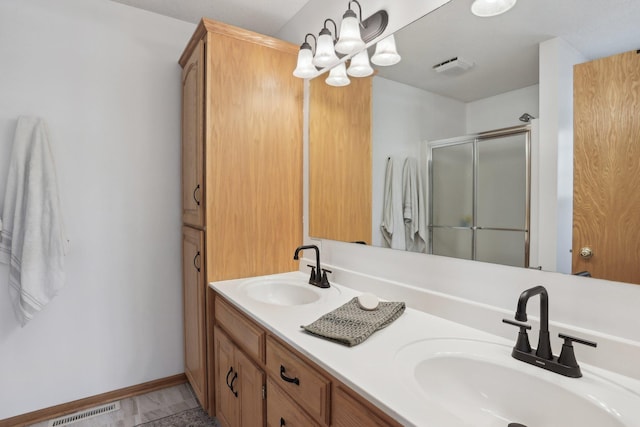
(386,227)
(413,207)
(32,240)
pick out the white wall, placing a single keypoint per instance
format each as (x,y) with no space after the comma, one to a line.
(105,77)
(502,110)
(557,59)
(403,117)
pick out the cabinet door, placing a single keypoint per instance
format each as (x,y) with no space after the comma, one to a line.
(192,139)
(193,288)
(226,385)
(250,391)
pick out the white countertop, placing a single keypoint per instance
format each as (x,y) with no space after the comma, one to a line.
(369,367)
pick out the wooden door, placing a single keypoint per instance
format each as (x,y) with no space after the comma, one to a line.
(195,353)
(227,403)
(192,138)
(606,199)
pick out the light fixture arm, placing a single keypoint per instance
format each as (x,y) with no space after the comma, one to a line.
(359,10)
(326,30)
(306,44)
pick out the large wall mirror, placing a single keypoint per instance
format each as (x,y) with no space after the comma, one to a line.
(366,136)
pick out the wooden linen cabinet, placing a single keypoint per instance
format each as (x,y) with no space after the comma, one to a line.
(241,175)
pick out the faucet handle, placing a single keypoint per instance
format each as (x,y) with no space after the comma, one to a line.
(325,280)
(313,273)
(567,356)
(522,344)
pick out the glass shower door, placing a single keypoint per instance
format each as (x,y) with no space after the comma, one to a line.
(479,194)
(451,195)
(502,200)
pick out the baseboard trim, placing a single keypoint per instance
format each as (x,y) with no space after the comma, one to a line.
(88,402)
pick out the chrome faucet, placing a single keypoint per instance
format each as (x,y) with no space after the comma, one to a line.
(543,357)
(318,276)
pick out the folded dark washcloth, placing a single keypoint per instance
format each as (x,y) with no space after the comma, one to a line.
(350,325)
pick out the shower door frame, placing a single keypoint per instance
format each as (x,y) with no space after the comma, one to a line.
(475,139)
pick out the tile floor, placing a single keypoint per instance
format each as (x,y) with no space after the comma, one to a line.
(141,409)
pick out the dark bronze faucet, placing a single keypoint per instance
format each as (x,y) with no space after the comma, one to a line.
(318,276)
(543,357)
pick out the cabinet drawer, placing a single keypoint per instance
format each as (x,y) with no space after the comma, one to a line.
(242,330)
(350,411)
(282,411)
(304,384)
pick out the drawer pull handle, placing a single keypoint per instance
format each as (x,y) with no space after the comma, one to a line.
(229,373)
(197,258)
(282,423)
(296,381)
(235,377)
(230,384)
(194,194)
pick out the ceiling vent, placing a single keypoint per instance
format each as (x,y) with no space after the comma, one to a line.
(453,67)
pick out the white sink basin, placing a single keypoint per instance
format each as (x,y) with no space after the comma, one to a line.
(284,292)
(481,385)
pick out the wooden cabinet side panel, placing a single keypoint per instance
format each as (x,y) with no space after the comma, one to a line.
(193,138)
(211,351)
(254,159)
(194,313)
(340,198)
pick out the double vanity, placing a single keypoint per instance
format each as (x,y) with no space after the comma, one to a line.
(420,370)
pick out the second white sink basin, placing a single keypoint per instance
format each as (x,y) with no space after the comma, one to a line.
(481,385)
(284,292)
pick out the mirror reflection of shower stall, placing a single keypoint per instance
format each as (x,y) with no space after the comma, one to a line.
(479,196)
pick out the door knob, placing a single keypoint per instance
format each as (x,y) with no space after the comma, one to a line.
(586,252)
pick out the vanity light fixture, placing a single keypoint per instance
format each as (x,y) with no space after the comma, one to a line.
(305,68)
(359,65)
(350,40)
(354,34)
(338,76)
(325,52)
(486,8)
(386,52)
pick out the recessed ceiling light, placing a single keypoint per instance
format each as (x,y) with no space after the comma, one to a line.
(485,8)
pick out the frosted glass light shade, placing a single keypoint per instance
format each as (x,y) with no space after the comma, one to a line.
(360,66)
(386,53)
(325,54)
(350,40)
(485,8)
(305,68)
(338,76)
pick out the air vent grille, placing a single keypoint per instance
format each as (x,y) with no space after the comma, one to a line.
(83,415)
